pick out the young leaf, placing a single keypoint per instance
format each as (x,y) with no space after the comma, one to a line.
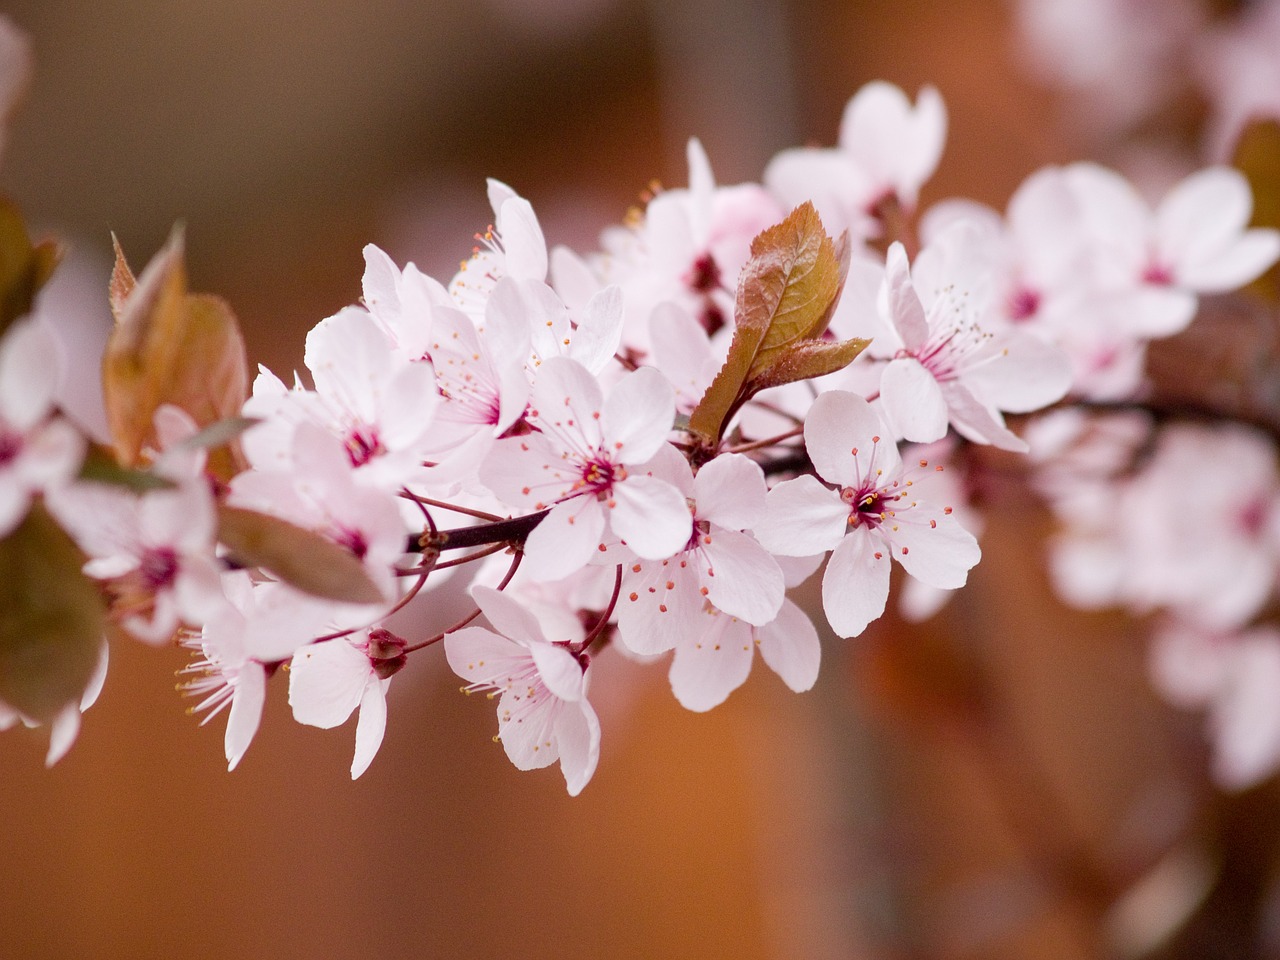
(169,346)
(811,358)
(52,619)
(100,467)
(24,268)
(787,293)
(790,285)
(122,280)
(1257,156)
(299,557)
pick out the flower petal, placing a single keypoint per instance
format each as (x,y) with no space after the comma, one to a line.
(705,671)
(371,726)
(856,584)
(790,647)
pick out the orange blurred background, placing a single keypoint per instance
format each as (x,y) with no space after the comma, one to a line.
(998,783)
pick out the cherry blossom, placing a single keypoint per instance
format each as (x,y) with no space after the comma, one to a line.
(586,465)
(866,512)
(329,680)
(946,367)
(887,149)
(37,450)
(543,713)
(154,550)
(719,566)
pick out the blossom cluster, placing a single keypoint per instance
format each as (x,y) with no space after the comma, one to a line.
(648,445)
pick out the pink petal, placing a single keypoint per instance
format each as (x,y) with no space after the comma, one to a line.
(30,361)
(1235,264)
(246,711)
(847,441)
(931,545)
(905,311)
(509,618)
(523,244)
(913,401)
(559,669)
(568,398)
(856,584)
(730,491)
(705,671)
(790,647)
(650,516)
(638,415)
(565,540)
(577,733)
(326,682)
(743,580)
(1202,214)
(371,726)
(1029,374)
(802,518)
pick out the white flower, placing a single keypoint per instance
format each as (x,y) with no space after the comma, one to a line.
(37,451)
(946,367)
(585,465)
(887,148)
(869,514)
(328,680)
(543,713)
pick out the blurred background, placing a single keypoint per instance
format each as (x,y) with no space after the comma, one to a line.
(999,782)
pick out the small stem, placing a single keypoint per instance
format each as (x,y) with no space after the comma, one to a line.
(452,507)
(603,622)
(511,572)
(478,555)
(767,442)
(514,531)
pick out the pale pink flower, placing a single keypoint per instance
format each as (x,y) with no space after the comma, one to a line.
(887,149)
(662,601)
(1154,263)
(241,644)
(376,402)
(329,680)
(688,249)
(543,713)
(945,366)
(155,549)
(1234,677)
(866,512)
(37,449)
(586,465)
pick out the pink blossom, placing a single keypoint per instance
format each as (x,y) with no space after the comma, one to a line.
(543,713)
(866,512)
(586,465)
(329,680)
(887,148)
(38,450)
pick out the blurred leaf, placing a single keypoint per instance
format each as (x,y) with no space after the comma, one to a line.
(787,293)
(169,346)
(24,268)
(1257,156)
(100,467)
(122,280)
(299,557)
(218,434)
(52,619)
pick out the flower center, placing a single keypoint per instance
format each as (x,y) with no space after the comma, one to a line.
(158,567)
(363,445)
(10,447)
(1022,304)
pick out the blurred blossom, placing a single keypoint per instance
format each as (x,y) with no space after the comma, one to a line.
(1240,68)
(1119,56)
